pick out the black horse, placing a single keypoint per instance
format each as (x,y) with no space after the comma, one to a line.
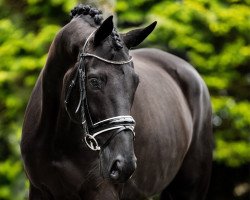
(80,139)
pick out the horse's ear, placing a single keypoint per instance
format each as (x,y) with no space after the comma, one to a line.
(104,30)
(135,37)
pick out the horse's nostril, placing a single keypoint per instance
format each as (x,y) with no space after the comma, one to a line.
(115,171)
(121,171)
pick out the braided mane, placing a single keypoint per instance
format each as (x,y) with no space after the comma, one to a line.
(96,14)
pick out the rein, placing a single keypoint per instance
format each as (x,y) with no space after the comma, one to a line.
(91,130)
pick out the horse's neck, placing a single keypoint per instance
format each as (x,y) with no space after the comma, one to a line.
(62,56)
(64,52)
(52,76)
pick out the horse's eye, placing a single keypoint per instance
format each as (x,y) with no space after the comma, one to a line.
(95,83)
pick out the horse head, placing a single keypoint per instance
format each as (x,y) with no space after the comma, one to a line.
(99,92)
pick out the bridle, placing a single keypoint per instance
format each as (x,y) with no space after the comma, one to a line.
(91,130)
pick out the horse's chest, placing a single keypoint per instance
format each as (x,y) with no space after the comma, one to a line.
(159,159)
(163,132)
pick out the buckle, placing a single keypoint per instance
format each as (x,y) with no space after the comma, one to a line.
(91,142)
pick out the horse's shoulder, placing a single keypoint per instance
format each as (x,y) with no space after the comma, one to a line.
(185,75)
(179,69)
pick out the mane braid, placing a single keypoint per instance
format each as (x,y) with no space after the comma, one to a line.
(96,14)
(116,40)
(87,10)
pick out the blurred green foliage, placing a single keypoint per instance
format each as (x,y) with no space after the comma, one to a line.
(212,35)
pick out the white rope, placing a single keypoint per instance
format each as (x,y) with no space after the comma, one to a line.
(85,44)
(108,61)
(120,118)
